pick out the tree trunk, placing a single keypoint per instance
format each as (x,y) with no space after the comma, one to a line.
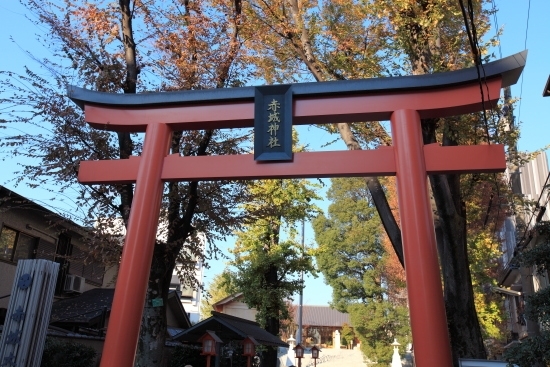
(130,86)
(450,222)
(152,334)
(464,328)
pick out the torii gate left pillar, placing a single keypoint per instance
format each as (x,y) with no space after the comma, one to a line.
(402,100)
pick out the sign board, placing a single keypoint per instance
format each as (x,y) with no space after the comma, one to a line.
(273,123)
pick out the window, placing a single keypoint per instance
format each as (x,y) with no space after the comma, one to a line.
(15,245)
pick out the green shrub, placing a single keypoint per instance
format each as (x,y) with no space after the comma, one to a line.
(67,354)
(182,356)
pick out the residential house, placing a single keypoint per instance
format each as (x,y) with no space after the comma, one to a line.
(234,305)
(28,230)
(522,231)
(85,288)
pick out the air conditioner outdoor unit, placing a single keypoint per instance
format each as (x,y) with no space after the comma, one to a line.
(74,283)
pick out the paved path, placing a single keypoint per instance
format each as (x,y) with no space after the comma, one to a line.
(336,358)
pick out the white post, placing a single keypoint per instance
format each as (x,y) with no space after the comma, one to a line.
(336,341)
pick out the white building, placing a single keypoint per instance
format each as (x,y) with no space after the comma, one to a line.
(190,297)
(521,231)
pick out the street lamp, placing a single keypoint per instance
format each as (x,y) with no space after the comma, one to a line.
(315,354)
(299,353)
(209,340)
(249,348)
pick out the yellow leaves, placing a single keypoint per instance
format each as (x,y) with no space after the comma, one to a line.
(491,316)
(483,251)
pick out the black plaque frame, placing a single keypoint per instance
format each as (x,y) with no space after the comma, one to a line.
(264,137)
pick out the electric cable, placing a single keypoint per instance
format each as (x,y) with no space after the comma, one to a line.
(525,48)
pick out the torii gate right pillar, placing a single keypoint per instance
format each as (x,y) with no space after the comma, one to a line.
(421,261)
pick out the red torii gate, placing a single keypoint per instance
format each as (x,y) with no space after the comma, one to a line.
(402,100)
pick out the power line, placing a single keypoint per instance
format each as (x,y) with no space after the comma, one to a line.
(524,47)
(469,24)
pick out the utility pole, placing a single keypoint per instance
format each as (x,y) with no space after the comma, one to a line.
(301,299)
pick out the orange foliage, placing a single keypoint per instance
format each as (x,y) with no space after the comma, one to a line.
(394,272)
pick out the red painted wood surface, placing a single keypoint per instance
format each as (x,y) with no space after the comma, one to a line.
(442,102)
(122,336)
(426,305)
(355,163)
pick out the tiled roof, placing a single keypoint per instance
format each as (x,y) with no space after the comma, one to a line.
(88,307)
(322,316)
(311,315)
(230,328)
(84,308)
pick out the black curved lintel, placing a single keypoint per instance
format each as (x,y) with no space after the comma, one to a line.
(509,69)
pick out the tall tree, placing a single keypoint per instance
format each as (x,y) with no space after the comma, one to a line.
(353,260)
(127,47)
(268,260)
(349,39)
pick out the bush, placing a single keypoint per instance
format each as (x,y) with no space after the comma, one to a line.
(182,356)
(67,354)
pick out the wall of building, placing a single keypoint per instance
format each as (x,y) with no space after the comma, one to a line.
(239,309)
(190,297)
(8,272)
(519,233)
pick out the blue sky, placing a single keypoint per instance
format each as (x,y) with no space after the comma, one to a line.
(519,33)
(533,108)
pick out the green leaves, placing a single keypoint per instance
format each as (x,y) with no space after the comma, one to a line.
(376,324)
(352,259)
(350,253)
(268,256)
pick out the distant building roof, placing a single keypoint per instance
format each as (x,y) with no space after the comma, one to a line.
(229,328)
(10,200)
(322,316)
(311,315)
